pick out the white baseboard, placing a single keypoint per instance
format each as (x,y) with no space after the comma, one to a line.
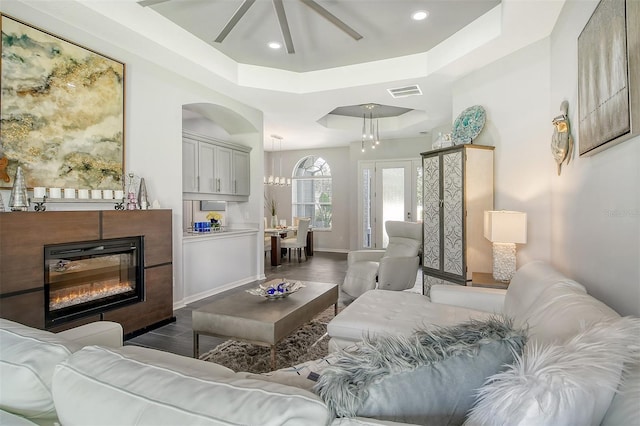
(178,305)
(195,297)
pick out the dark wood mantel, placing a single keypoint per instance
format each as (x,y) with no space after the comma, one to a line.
(23,236)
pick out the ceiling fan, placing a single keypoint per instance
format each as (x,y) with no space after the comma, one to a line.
(282,19)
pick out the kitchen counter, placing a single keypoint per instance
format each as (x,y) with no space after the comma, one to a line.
(228,232)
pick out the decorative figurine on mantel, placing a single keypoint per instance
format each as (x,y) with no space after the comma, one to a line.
(19,201)
(562,142)
(130,181)
(132,203)
(143,201)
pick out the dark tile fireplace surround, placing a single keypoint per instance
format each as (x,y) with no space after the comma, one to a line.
(128,254)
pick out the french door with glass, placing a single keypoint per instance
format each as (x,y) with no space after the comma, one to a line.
(387,190)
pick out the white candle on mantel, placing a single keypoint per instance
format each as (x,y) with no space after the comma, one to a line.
(119,194)
(107,194)
(96,194)
(55,192)
(83,194)
(69,193)
(39,192)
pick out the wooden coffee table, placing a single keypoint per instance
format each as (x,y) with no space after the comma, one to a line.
(254,319)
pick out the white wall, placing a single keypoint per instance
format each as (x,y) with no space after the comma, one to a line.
(515,94)
(207,127)
(586,222)
(154,100)
(596,201)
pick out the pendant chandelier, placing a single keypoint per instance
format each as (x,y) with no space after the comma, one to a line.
(370,130)
(276,180)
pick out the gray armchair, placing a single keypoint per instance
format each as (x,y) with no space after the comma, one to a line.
(392,269)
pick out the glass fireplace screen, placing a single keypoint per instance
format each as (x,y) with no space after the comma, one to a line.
(91,277)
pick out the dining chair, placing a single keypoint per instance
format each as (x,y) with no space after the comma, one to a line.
(296,221)
(298,242)
(267,245)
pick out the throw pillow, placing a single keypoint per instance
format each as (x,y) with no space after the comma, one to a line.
(564,383)
(429,377)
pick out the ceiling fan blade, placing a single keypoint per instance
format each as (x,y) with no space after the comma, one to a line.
(145,3)
(284,25)
(234,20)
(333,19)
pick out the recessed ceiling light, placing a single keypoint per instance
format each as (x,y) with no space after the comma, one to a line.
(274,45)
(420,15)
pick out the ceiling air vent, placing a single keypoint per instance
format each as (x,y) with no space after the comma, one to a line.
(403,92)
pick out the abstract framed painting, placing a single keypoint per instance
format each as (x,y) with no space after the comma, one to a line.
(61,113)
(608,76)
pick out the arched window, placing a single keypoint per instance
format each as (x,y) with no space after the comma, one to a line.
(311,192)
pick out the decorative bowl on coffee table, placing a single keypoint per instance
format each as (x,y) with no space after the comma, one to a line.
(276,289)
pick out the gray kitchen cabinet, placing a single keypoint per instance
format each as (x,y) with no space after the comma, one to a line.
(213,169)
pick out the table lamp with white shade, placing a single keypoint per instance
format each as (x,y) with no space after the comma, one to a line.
(505,229)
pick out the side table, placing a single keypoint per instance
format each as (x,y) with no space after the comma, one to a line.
(484,279)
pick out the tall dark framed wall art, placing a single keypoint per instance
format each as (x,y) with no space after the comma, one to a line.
(609,76)
(62,111)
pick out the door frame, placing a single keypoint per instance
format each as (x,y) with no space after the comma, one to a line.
(411,183)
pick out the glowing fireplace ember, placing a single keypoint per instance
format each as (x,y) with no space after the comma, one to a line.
(86,293)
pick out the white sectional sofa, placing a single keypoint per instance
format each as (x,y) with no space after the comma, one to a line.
(537,296)
(85,376)
(555,309)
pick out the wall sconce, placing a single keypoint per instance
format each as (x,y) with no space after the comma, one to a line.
(505,229)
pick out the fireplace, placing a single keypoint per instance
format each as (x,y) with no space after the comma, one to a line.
(90,277)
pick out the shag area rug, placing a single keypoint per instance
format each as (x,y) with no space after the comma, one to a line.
(308,343)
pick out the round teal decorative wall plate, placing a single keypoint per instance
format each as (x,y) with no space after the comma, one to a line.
(468,125)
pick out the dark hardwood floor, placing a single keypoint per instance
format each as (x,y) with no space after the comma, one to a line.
(178,337)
